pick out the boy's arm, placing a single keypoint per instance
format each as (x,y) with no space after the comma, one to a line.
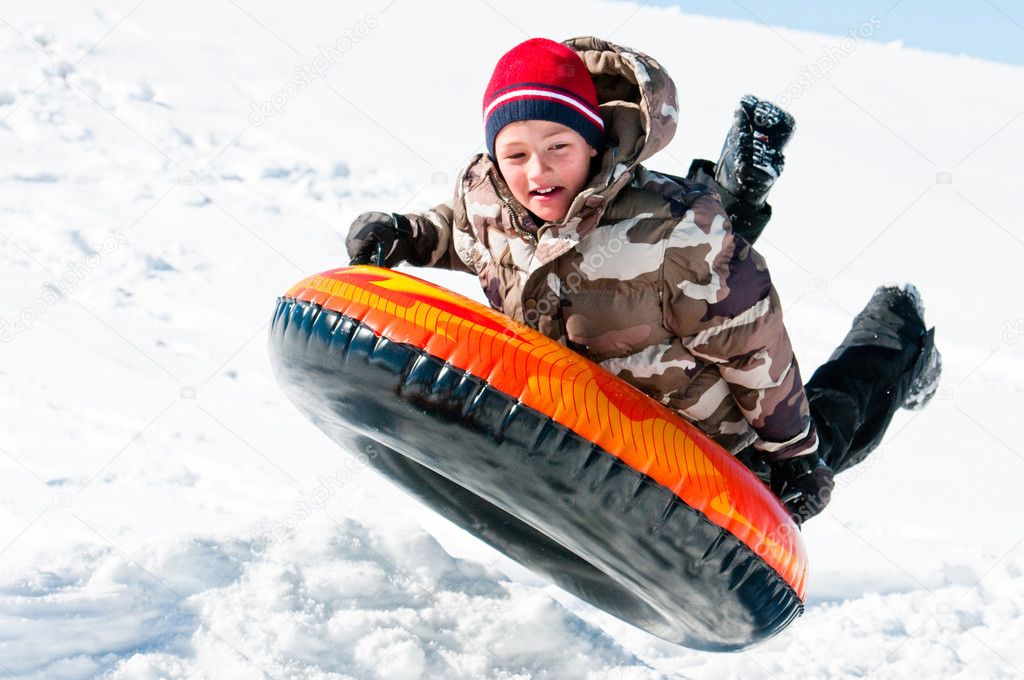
(725,308)
(423,238)
(747,220)
(723,305)
(435,229)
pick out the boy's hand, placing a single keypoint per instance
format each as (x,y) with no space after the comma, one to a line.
(389,231)
(804,484)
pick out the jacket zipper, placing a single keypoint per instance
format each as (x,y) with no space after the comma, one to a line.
(513,213)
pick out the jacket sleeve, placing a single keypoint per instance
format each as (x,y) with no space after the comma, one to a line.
(444,231)
(434,233)
(726,310)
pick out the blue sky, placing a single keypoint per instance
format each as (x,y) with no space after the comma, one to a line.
(989,29)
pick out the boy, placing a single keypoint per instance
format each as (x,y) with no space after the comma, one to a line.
(645,274)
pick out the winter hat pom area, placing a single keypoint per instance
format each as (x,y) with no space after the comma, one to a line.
(541,79)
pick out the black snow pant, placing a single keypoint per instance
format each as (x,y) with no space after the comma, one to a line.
(852,398)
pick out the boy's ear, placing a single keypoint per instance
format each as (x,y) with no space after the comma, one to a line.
(593,152)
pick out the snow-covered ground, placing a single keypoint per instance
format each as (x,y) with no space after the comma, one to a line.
(170,168)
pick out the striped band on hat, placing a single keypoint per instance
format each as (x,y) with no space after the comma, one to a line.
(538,92)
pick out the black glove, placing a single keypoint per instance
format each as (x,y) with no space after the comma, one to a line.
(385,239)
(752,157)
(804,484)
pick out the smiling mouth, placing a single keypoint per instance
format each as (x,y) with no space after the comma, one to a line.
(546,192)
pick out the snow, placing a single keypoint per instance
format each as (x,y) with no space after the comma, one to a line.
(170,168)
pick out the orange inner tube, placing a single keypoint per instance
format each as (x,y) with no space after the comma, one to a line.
(574,392)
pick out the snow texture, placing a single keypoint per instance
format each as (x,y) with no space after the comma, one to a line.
(170,168)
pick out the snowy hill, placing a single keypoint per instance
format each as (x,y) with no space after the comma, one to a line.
(170,168)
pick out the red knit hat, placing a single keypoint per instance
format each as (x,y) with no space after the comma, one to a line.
(541,79)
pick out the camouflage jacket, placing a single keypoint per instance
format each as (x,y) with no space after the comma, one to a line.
(644,274)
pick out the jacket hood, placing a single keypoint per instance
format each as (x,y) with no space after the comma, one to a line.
(637,99)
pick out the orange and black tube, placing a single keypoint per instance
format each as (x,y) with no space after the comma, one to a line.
(543,454)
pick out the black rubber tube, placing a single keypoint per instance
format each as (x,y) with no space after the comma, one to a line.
(528,486)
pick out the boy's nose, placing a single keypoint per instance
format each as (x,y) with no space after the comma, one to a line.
(536,168)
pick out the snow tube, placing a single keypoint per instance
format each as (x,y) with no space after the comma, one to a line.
(543,454)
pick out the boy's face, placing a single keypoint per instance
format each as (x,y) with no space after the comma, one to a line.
(545,165)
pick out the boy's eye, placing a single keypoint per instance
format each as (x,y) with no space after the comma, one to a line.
(559,145)
(515,156)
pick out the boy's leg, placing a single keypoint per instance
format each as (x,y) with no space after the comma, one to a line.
(748,221)
(750,163)
(888,360)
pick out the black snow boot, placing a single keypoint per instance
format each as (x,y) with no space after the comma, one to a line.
(887,361)
(750,163)
(752,156)
(894,319)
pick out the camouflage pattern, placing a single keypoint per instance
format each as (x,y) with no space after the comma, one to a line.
(644,274)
